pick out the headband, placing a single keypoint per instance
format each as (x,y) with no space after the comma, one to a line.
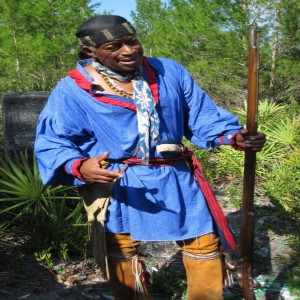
(108,34)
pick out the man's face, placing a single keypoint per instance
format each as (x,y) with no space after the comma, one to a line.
(122,55)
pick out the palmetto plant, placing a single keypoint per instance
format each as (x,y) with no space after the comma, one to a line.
(49,215)
(267,111)
(278,163)
(282,136)
(22,191)
(285,132)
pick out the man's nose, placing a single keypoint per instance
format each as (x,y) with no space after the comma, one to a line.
(127,49)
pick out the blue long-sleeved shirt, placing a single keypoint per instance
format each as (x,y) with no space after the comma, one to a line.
(149,202)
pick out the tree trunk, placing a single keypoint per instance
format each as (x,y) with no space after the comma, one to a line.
(274,51)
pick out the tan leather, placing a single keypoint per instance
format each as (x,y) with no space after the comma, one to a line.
(204,277)
(122,279)
(96,197)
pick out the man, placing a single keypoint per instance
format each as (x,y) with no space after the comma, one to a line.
(119,108)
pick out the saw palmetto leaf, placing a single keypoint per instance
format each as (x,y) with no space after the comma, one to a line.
(22,189)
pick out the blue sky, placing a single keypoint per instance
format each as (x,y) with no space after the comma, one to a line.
(117,7)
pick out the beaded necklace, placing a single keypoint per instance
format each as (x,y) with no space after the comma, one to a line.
(116,88)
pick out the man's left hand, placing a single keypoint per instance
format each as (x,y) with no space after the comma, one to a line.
(255,142)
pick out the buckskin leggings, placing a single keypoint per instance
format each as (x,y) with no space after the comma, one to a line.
(201,259)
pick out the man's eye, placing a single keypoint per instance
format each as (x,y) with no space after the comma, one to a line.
(113,47)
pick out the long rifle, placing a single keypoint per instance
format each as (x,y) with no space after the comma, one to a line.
(244,274)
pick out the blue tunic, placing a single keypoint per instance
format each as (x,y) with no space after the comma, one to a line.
(152,203)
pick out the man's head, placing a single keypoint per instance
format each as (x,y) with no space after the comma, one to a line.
(112,41)
(102,29)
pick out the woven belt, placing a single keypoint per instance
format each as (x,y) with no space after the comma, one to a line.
(202,257)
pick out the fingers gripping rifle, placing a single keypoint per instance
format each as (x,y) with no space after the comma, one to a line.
(244,268)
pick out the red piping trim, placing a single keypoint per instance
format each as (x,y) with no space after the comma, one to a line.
(234,144)
(115,102)
(83,83)
(222,140)
(75,168)
(152,79)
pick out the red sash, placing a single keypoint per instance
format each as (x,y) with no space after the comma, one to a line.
(226,236)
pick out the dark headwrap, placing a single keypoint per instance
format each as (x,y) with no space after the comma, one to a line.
(103,29)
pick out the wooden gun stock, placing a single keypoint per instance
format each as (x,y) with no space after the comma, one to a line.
(244,274)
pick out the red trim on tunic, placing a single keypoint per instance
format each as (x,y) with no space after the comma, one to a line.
(83,83)
(75,168)
(234,144)
(152,80)
(115,102)
(80,80)
(222,140)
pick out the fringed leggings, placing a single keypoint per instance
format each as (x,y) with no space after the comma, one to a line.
(201,259)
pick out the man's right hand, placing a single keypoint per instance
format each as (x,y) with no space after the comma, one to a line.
(92,171)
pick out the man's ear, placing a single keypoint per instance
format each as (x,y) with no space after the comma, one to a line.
(88,51)
(85,52)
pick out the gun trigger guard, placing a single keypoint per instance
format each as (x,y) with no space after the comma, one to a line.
(254,283)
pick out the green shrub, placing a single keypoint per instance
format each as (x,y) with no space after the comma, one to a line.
(229,163)
(205,158)
(50,215)
(283,185)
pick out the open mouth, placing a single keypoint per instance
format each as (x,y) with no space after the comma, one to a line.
(130,63)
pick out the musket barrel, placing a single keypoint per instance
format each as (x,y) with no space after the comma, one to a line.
(247,215)
(252,102)
(253,37)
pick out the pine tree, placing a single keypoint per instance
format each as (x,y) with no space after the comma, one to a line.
(210,38)
(37,41)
